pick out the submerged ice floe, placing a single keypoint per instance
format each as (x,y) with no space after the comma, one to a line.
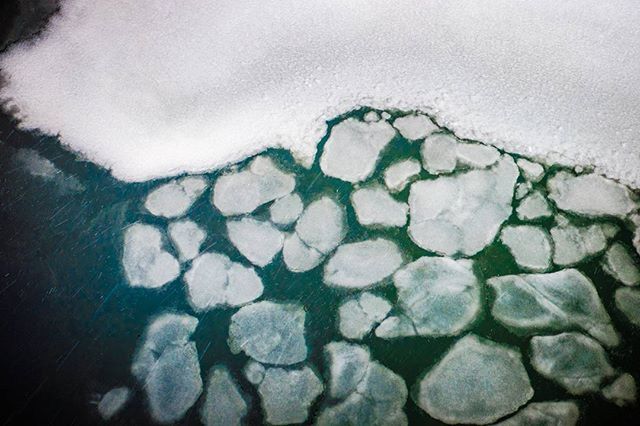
(224,404)
(560,413)
(113,402)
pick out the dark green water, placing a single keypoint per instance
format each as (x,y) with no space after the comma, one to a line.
(71,324)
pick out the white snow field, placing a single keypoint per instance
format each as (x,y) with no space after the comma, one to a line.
(148,89)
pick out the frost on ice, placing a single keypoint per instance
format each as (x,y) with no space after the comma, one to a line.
(620,265)
(113,402)
(270,333)
(167,367)
(558,413)
(414,126)
(628,302)
(286,210)
(400,173)
(358,316)
(258,241)
(375,207)
(224,404)
(187,237)
(577,362)
(145,260)
(622,391)
(556,301)
(529,245)
(476,382)
(175,198)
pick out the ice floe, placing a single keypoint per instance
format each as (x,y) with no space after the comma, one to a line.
(270,333)
(258,241)
(618,263)
(529,245)
(576,362)
(299,257)
(556,413)
(562,300)
(187,237)
(574,244)
(224,404)
(322,225)
(113,402)
(146,262)
(414,126)
(533,172)
(286,210)
(375,207)
(623,391)
(477,381)
(400,173)
(438,153)
(358,316)
(476,155)
(362,264)
(534,206)
(396,326)
(628,302)
(175,198)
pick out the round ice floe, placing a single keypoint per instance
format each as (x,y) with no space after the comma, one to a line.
(577,362)
(400,173)
(476,382)
(529,245)
(297,256)
(187,237)
(224,404)
(286,210)
(439,153)
(113,402)
(414,126)
(440,296)
(622,391)
(145,261)
(618,263)
(322,225)
(359,315)
(362,264)
(259,183)
(271,333)
(628,302)
(534,206)
(557,413)
(533,172)
(256,240)
(174,199)
(375,207)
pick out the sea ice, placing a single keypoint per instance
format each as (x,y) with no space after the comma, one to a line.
(522,190)
(476,382)
(322,225)
(438,153)
(533,207)
(414,126)
(622,391)
(286,210)
(113,402)
(529,245)
(270,333)
(175,198)
(462,214)
(167,367)
(214,280)
(371,116)
(573,244)
(254,372)
(577,362)
(258,241)
(358,316)
(259,183)
(362,264)
(146,262)
(187,237)
(557,413)
(351,153)
(628,302)
(38,166)
(533,172)
(618,263)
(224,404)
(299,257)
(590,195)
(400,173)
(396,326)
(561,300)
(440,296)
(476,155)
(375,207)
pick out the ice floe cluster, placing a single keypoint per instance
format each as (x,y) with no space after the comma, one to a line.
(395,220)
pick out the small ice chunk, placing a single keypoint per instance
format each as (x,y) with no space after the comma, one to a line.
(167,367)
(462,214)
(113,402)
(622,391)
(214,281)
(476,155)
(396,326)
(259,183)
(522,190)
(556,413)
(286,210)
(187,237)
(576,362)
(146,262)
(533,172)
(439,153)
(534,206)
(351,153)
(400,173)
(477,381)
(175,198)
(270,333)
(359,315)
(254,372)
(374,206)
(287,395)
(529,245)
(322,225)
(628,302)
(441,296)
(371,116)
(256,240)
(414,126)
(620,265)
(555,301)
(224,404)
(590,195)
(573,244)
(362,264)
(299,257)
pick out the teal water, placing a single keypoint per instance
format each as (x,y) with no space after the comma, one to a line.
(71,323)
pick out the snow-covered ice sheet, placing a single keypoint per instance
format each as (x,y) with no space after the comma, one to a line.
(148,89)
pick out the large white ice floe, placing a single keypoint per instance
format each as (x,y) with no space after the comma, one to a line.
(533,207)
(258,241)
(529,245)
(287,394)
(477,382)
(145,260)
(167,367)
(438,153)
(375,207)
(224,404)
(358,316)
(242,192)
(270,333)
(440,296)
(352,151)
(628,302)
(414,126)
(187,237)
(400,173)
(286,210)
(362,264)
(113,402)
(574,244)
(622,391)
(213,280)
(576,362)
(590,195)
(556,413)
(462,214)
(175,198)
(618,263)
(567,299)
(368,393)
